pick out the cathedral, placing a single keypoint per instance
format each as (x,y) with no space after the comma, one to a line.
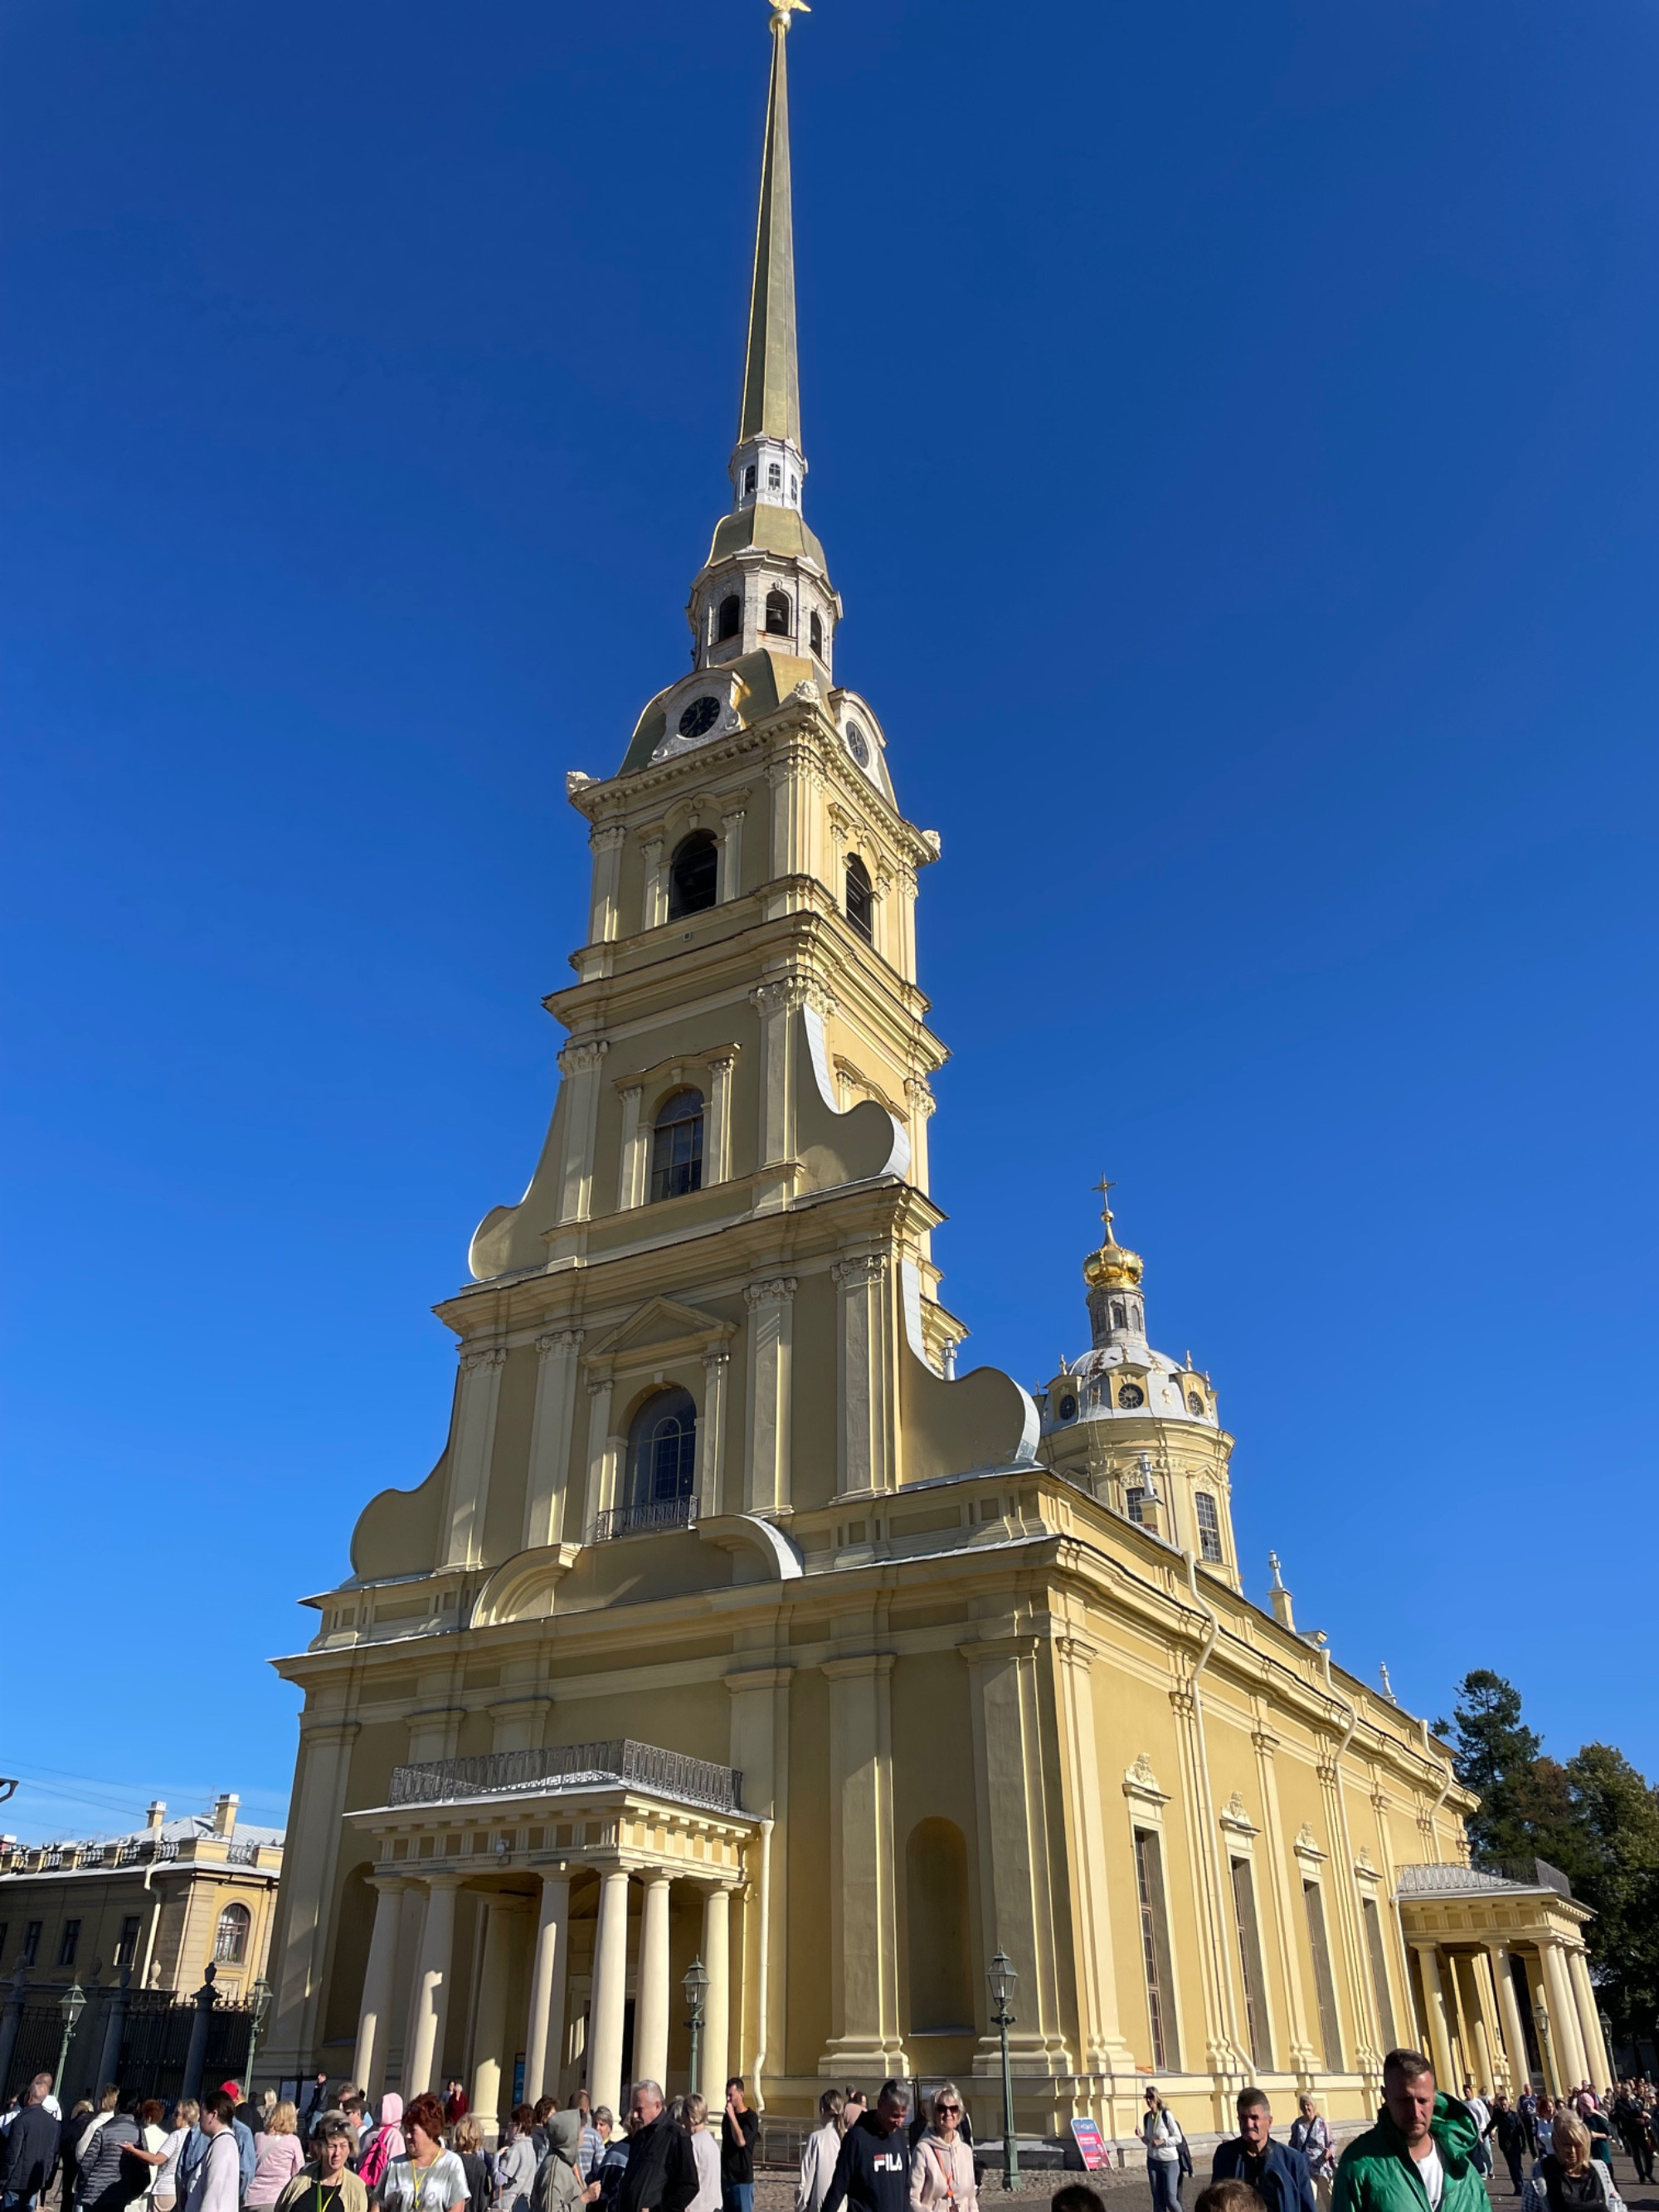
(743,1684)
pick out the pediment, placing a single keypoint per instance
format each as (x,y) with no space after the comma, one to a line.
(661,1328)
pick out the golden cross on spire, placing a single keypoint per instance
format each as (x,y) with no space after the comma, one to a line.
(789,7)
(1104,1187)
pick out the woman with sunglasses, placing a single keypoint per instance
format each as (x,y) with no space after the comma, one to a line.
(942,2164)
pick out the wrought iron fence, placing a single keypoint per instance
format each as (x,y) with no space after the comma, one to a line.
(567,1766)
(154,2028)
(643,1520)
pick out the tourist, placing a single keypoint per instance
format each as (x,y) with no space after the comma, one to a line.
(1600,2133)
(820,2152)
(466,2141)
(384,2143)
(456,2104)
(278,2156)
(739,2129)
(427,2178)
(516,2161)
(1566,2179)
(1509,2130)
(942,2178)
(1481,2112)
(855,2105)
(1417,2123)
(596,2124)
(1279,2175)
(559,2186)
(661,2172)
(316,2103)
(1311,2134)
(1160,2131)
(1075,2196)
(1526,2106)
(30,2157)
(872,2172)
(705,2152)
(1228,2196)
(102,2183)
(327,2184)
(215,2184)
(543,2111)
(244,2133)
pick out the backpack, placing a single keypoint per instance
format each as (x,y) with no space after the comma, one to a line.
(375,2160)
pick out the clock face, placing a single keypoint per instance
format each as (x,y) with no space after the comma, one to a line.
(1194,1403)
(1130,1396)
(700,717)
(858,744)
(1068,1409)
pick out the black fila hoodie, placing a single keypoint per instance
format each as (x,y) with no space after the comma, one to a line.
(873,2173)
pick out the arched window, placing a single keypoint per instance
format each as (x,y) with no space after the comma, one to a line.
(731,618)
(817,636)
(749,479)
(676,1146)
(1209,1526)
(693,875)
(777,614)
(230,1944)
(1117,1315)
(662,1448)
(940,1932)
(861,899)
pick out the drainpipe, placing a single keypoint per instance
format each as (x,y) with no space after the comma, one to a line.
(763,1977)
(154,1924)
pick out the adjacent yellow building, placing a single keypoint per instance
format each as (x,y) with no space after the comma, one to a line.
(733,1626)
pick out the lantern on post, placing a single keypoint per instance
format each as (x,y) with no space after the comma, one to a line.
(696,1987)
(1003,1980)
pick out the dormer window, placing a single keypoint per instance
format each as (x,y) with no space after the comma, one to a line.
(861,899)
(777,614)
(749,480)
(816,634)
(774,476)
(730,621)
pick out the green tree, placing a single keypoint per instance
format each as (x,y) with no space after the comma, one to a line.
(1493,1754)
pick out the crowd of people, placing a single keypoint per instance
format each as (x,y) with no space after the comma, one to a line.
(1428,2152)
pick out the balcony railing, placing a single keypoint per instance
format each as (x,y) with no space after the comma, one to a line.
(643,1520)
(620,1761)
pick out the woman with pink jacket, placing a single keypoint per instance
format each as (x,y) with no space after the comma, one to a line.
(942,2165)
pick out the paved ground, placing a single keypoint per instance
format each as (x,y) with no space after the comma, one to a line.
(774,2192)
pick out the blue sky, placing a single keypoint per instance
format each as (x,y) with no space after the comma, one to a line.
(1232,433)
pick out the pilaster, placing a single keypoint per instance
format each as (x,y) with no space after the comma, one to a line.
(310,1861)
(730,856)
(1103,2050)
(601,1449)
(866,1415)
(555,1416)
(635,1149)
(771,1316)
(864,2010)
(653,903)
(711,1432)
(581,1064)
(474,1448)
(717,1128)
(606,843)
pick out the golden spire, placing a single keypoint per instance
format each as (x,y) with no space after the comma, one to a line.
(771,379)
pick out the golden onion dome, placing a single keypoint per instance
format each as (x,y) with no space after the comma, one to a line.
(1113,1266)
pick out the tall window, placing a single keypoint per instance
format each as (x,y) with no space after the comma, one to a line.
(676,1147)
(1250,1954)
(1136,1500)
(230,1944)
(777,614)
(861,899)
(816,634)
(662,1448)
(1324,1981)
(749,477)
(774,476)
(1379,1959)
(693,875)
(936,1893)
(30,1942)
(729,620)
(1155,1951)
(1209,1526)
(69,1942)
(126,1951)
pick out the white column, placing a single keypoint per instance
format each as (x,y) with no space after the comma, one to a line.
(605,2082)
(1434,1999)
(544,2030)
(715,2052)
(711,1432)
(731,882)
(771,1318)
(471,1453)
(1596,2063)
(431,1984)
(490,2064)
(550,1437)
(717,1128)
(635,1142)
(601,1455)
(1508,2012)
(651,1999)
(606,843)
(581,1064)
(653,905)
(868,1446)
(1564,2018)
(380,1978)
(905,961)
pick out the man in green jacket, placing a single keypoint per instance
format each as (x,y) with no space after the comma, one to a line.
(1419,2157)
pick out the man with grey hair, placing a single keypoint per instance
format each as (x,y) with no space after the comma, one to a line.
(873,2173)
(30,2156)
(661,2172)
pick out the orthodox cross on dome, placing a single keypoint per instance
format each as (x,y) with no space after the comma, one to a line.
(1105,1186)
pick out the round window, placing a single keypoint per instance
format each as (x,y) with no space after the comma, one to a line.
(700,717)
(1194,1403)
(1067,1409)
(858,744)
(1130,1396)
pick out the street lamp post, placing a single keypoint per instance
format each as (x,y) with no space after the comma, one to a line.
(696,1986)
(71,2005)
(1003,1978)
(1541,2015)
(259,1997)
